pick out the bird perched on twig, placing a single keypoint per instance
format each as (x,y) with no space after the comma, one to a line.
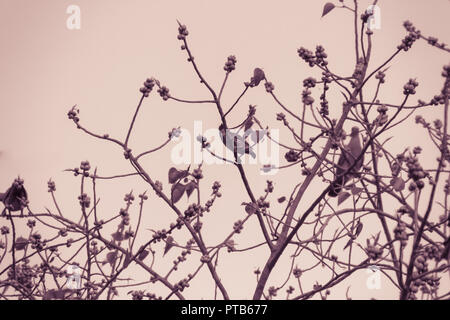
(446,251)
(15,198)
(346,160)
(235,142)
(258,76)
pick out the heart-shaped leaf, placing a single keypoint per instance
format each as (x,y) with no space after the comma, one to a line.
(327,8)
(190,187)
(169,244)
(175,175)
(355,190)
(177,192)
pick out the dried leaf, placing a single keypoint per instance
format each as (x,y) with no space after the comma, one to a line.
(250,208)
(190,187)
(143,255)
(175,175)
(327,8)
(111,257)
(177,192)
(127,260)
(398,184)
(117,236)
(169,244)
(342,197)
(359,228)
(21,243)
(281,199)
(355,190)
(348,243)
(248,124)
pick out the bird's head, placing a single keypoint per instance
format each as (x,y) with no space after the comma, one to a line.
(354,132)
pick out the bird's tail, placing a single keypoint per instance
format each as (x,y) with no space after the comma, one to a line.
(336,187)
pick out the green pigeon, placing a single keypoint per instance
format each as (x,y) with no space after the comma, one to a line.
(347,159)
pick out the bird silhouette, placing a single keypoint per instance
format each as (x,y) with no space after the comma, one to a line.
(235,142)
(346,160)
(446,251)
(15,198)
(258,76)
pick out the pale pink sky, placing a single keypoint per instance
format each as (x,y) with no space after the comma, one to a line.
(46,68)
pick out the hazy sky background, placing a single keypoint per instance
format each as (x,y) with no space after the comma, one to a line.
(45,69)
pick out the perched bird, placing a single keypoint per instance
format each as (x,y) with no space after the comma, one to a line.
(235,142)
(16,197)
(258,76)
(446,252)
(346,160)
